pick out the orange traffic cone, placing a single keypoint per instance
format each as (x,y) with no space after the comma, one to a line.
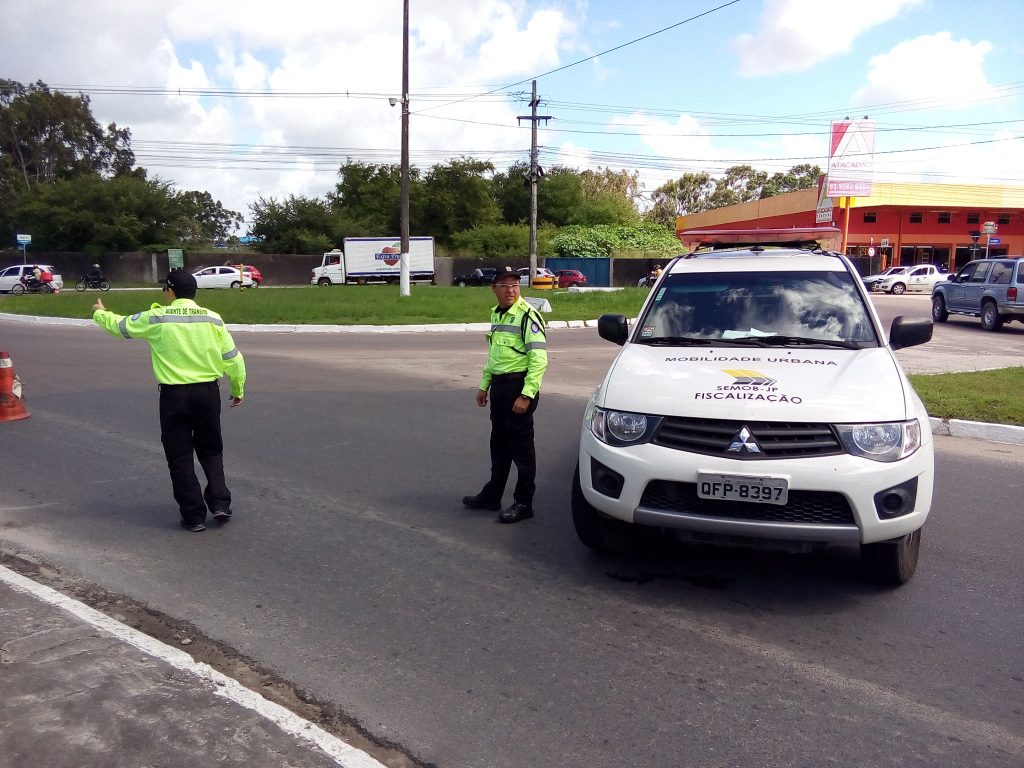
(12,407)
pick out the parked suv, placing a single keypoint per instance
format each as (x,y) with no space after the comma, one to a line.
(992,289)
(757,401)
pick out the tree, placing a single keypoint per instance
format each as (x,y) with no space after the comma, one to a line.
(126,213)
(605,180)
(296,225)
(690,193)
(803,176)
(458,197)
(511,191)
(46,136)
(367,199)
(741,184)
(200,218)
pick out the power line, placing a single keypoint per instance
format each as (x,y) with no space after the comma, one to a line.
(590,58)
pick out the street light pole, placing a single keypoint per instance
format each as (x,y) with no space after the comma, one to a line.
(404,274)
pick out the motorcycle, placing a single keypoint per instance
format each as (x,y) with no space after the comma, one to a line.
(32,286)
(92,282)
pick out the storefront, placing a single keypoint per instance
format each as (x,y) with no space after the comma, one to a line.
(899,224)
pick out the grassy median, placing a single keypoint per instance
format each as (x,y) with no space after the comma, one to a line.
(989,396)
(339,305)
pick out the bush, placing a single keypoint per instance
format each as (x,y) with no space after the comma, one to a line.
(604,240)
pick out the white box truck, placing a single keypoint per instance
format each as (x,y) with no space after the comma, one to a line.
(375,260)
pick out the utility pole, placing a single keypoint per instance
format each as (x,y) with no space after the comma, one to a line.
(536,172)
(403,280)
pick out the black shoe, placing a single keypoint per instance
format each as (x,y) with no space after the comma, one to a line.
(194,527)
(518,511)
(480,502)
(222,515)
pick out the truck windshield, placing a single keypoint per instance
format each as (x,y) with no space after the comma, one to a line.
(808,306)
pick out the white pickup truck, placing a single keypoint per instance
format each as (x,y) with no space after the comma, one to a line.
(915,279)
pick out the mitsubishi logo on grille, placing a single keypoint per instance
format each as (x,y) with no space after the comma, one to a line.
(744,442)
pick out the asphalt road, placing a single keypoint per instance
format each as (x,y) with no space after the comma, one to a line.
(353,571)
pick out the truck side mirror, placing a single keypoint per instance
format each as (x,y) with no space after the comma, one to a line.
(613,328)
(909,333)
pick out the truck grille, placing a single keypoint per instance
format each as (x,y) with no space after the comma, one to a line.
(811,507)
(776,439)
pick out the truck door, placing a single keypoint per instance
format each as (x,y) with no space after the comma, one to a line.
(974,287)
(918,279)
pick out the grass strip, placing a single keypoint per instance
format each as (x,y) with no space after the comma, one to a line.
(987,396)
(339,305)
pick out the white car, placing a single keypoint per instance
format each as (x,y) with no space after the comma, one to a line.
(11,275)
(222,277)
(758,401)
(920,279)
(542,272)
(870,280)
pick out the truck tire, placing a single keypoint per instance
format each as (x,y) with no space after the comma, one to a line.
(893,562)
(990,319)
(600,533)
(324,282)
(939,312)
(898,289)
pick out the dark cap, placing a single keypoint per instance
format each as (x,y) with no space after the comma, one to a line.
(180,282)
(504,272)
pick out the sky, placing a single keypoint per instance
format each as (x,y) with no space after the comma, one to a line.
(268,99)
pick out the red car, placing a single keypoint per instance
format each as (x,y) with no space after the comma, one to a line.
(570,277)
(251,271)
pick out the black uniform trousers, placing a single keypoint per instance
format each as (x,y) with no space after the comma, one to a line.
(190,423)
(511,440)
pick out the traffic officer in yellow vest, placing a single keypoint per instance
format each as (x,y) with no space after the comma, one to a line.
(191,349)
(516,361)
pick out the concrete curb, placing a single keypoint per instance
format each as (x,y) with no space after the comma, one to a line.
(995,433)
(979,430)
(343,754)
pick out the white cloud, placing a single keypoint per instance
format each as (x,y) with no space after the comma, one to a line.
(930,67)
(795,35)
(303,46)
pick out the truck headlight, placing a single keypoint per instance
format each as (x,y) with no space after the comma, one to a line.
(890,441)
(621,427)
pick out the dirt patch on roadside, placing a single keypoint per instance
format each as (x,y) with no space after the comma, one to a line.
(182,635)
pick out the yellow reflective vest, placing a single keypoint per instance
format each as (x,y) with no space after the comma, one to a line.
(517,342)
(188,343)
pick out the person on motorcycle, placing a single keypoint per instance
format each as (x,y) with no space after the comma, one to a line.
(33,279)
(94,277)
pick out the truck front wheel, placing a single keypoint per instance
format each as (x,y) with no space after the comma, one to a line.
(893,562)
(324,282)
(602,534)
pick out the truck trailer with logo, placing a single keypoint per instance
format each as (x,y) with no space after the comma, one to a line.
(365,260)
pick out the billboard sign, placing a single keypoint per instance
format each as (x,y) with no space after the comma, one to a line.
(823,214)
(851,158)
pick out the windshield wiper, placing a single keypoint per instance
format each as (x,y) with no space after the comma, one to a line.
(785,341)
(692,341)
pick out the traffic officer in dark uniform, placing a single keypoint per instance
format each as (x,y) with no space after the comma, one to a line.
(191,349)
(516,361)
